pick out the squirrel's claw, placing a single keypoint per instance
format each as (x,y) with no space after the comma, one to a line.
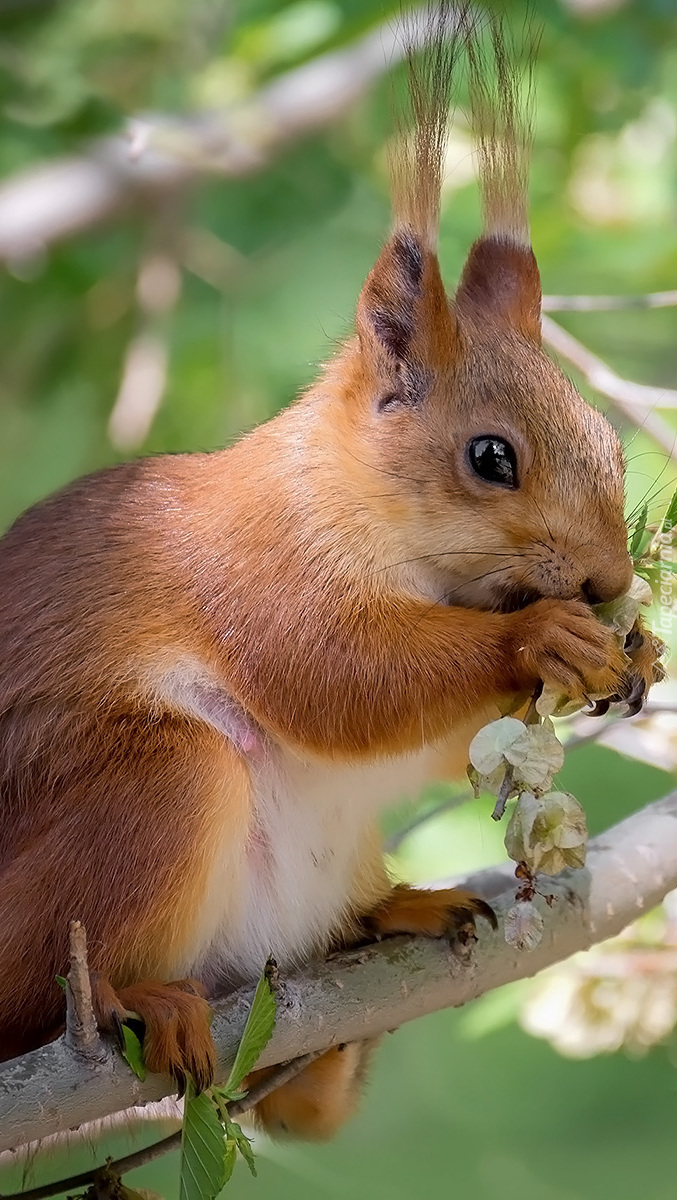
(644,651)
(449,912)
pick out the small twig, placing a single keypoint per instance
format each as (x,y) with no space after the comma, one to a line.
(633,399)
(531,716)
(277,1078)
(139,1158)
(608,303)
(504,792)
(392,844)
(82,1034)
(507,787)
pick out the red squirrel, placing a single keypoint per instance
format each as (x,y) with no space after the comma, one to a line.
(216,669)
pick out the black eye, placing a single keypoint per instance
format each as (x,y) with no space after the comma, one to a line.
(493,460)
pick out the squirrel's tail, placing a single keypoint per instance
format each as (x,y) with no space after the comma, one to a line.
(499,75)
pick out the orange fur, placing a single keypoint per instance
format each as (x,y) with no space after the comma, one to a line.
(315,1103)
(176,1019)
(188,642)
(435,914)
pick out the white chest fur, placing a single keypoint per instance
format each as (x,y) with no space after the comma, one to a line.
(308,827)
(281,880)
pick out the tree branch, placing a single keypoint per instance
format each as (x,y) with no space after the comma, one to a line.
(158,153)
(635,400)
(139,1158)
(366,992)
(82,1034)
(608,303)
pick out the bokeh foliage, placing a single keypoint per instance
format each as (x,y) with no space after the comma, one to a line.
(458,1104)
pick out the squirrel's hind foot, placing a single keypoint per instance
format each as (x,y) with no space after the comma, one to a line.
(176,1016)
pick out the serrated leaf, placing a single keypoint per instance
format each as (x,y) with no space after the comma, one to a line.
(620,614)
(204,1152)
(257,1033)
(245,1147)
(638,531)
(133,1052)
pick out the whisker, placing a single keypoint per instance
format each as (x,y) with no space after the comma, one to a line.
(443,599)
(477,579)
(643,499)
(543,518)
(405,562)
(383,471)
(651,500)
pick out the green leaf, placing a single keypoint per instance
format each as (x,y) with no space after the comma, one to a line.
(206,1164)
(644,544)
(667,565)
(653,569)
(63,983)
(670,519)
(244,1146)
(133,1052)
(257,1033)
(229,1160)
(638,532)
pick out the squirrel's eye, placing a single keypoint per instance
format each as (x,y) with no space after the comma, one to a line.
(493,460)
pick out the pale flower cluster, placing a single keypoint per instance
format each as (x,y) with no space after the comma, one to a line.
(547,830)
(621,995)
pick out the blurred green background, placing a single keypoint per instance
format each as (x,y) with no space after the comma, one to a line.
(218,299)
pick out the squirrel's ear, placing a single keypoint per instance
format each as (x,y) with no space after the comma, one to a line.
(501,282)
(403,313)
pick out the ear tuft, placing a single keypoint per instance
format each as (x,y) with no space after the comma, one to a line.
(501,283)
(409,256)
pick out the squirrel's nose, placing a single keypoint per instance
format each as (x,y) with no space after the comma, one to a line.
(589,593)
(599,589)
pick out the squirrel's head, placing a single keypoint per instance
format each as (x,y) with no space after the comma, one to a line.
(493,480)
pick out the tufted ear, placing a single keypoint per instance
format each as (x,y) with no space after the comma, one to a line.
(501,283)
(404,319)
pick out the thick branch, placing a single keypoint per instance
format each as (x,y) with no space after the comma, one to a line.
(358,995)
(58,199)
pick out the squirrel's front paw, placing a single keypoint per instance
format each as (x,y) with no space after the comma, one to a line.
(562,644)
(643,650)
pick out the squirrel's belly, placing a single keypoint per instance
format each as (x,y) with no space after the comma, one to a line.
(311,823)
(280,881)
